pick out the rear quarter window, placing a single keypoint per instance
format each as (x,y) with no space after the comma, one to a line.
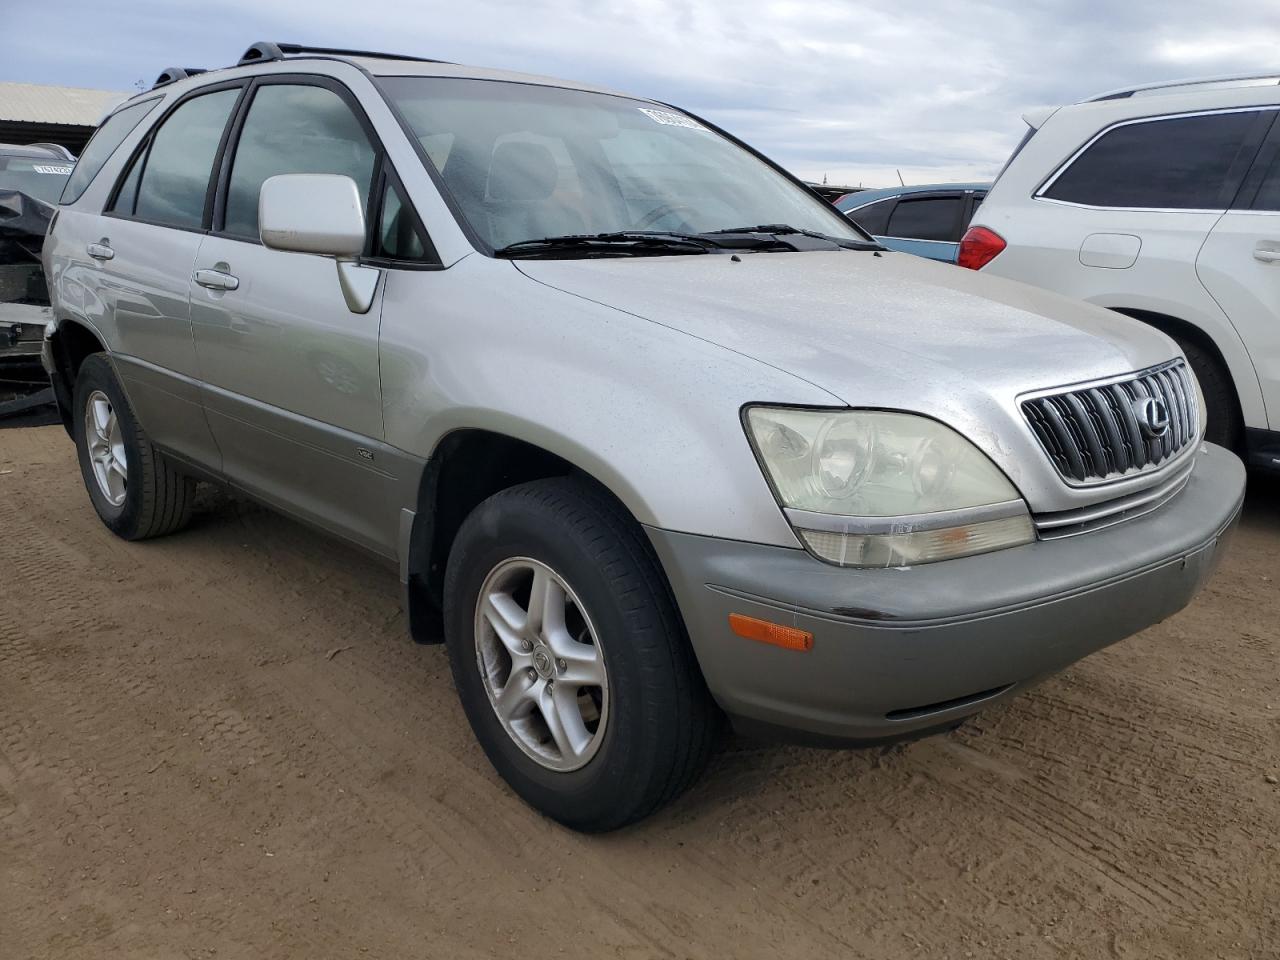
(874,217)
(103,144)
(927,218)
(1184,163)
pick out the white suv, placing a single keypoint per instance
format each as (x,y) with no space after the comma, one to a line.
(1160,202)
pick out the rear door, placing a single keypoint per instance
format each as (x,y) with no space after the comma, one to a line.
(1239,265)
(291,377)
(150,232)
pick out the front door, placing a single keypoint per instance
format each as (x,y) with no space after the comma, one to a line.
(291,383)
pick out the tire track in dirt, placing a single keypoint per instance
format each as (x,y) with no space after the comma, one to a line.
(227,738)
(172,709)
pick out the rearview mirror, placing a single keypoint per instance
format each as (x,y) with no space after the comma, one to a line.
(319,213)
(312,213)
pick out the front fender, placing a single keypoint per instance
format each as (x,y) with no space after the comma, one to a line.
(650,412)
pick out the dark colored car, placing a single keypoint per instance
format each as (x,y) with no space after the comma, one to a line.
(927,219)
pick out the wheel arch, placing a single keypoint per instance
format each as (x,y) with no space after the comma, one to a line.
(468,466)
(70,342)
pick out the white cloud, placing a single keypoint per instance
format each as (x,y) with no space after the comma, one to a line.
(853,90)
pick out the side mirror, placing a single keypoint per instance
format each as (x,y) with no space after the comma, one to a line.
(319,213)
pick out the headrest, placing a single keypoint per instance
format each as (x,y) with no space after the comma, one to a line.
(521,173)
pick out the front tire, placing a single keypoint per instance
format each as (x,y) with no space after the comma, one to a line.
(137,492)
(570,658)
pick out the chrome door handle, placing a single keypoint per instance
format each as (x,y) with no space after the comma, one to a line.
(1265,255)
(100,250)
(216,280)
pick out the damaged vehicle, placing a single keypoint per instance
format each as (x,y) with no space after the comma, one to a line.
(31,181)
(652,434)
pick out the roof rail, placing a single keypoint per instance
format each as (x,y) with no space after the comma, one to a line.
(266,50)
(1124,93)
(174,74)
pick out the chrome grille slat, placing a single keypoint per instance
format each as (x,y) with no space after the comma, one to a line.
(1093,434)
(1184,403)
(1089,431)
(1132,431)
(1176,429)
(1113,426)
(1069,523)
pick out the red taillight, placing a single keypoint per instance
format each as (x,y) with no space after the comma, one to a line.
(979,247)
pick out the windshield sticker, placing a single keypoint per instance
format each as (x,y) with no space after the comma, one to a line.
(669,119)
(56,171)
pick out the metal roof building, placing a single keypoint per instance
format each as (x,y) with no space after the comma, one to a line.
(33,112)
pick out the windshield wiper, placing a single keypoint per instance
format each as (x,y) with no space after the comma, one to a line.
(785,229)
(619,243)
(652,243)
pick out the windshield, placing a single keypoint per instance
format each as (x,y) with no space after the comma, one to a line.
(524,162)
(34,176)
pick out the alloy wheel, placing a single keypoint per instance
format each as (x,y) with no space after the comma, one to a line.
(106,448)
(541,664)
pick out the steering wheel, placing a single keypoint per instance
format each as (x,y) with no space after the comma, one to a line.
(654,216)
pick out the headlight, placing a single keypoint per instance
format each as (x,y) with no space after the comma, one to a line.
(868,488)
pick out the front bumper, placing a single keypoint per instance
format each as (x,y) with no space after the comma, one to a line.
(898,652)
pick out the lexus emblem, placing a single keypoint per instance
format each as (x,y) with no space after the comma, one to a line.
(1153,415)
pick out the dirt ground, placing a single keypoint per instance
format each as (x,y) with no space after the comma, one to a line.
(223,745)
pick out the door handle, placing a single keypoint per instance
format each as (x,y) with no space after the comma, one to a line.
(217,280)
(1266,255)
(100,250)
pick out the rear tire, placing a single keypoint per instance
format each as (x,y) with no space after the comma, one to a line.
(1224,426)
(137,492)
(648,722)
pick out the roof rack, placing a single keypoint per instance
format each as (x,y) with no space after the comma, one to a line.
(174,74)
(1125,92)
(265,51)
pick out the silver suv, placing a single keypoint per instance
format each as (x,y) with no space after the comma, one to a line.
(652,434)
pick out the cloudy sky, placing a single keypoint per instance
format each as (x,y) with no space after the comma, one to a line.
(843,88)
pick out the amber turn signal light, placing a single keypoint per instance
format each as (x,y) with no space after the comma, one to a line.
(788,638)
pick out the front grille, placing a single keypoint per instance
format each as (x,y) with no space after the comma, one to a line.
(1096,433)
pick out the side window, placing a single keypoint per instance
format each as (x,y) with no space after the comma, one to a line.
(99,149)
(1176,163)
(175,176)
(398,236)
(127,197)
(294,129)
(929,218)
(1268,197)
(874,217)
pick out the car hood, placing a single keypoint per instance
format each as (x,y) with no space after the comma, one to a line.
(862,326)
(891,331)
